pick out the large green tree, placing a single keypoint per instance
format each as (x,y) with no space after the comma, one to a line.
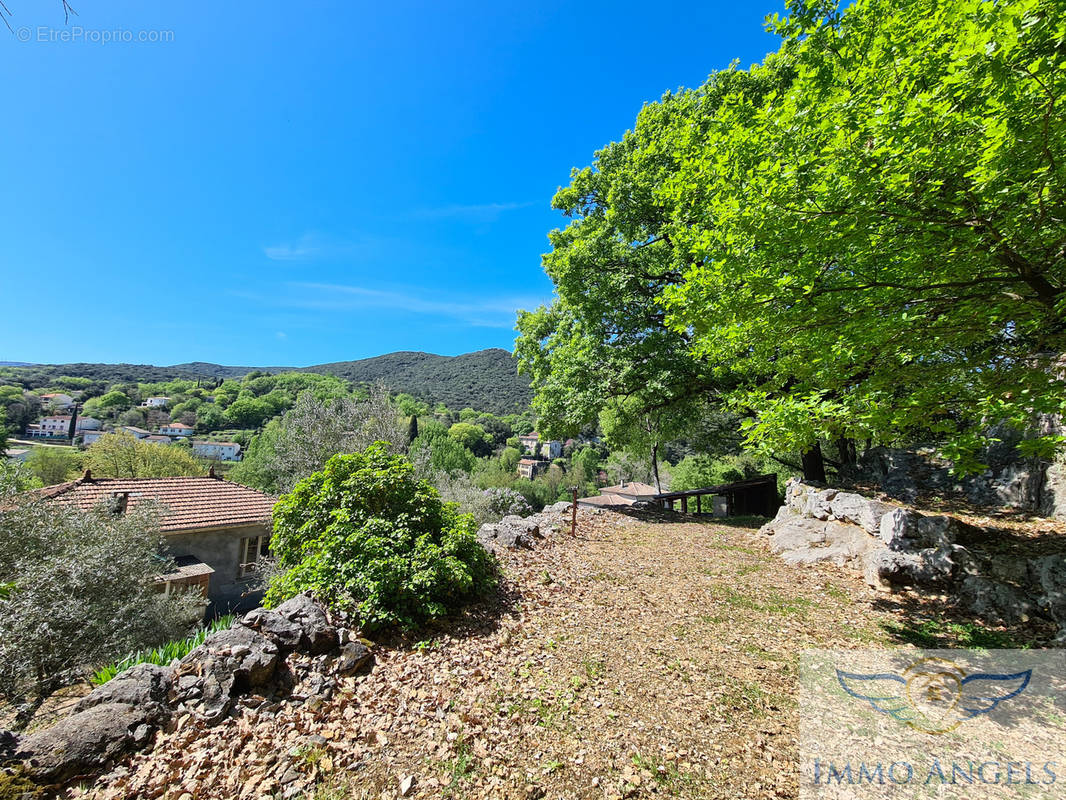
(861,238)
(79,591)
(604,345)
(879,246)
(119,455)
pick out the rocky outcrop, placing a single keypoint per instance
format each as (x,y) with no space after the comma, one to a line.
(84,742)
(1009,480)
(124,714)
(517,533)
(510,533)
(896,547)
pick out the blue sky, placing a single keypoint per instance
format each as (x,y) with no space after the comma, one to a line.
(291,184)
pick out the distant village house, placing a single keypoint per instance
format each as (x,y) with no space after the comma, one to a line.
(217,451)
(54,426)
(529,441)
(531,467)
(156,402)
(175,429)
(58,401)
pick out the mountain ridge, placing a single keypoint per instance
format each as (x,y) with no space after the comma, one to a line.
(487,380)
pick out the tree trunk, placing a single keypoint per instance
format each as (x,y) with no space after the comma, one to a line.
(813,465)
(846,453)
(655,467)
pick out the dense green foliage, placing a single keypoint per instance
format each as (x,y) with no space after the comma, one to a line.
(52,465)
(367,536)
(119,455)
(860,239)
(164,654)
(487,379)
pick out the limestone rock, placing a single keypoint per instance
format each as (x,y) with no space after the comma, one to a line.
(283,632)
(226,662)
(352,657)
(859,510)
(83,742)
(143,685)
(995,601)
(1048,574)
(510,533)
(318,635)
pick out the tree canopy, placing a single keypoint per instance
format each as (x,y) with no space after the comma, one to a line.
(119,455)
(861,238)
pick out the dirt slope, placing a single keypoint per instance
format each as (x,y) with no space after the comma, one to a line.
(644,658)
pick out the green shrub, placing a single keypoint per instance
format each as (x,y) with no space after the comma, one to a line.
(364,535)
(162,655)
(699,471)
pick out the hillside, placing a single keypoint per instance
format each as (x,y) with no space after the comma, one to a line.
(641,659)
(487,380)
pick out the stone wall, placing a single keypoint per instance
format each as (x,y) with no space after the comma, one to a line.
(895,547)
(294,653)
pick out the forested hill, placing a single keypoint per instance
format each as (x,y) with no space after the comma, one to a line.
(486,380)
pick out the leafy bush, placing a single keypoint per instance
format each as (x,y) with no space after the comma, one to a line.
(364,535)
(164,654)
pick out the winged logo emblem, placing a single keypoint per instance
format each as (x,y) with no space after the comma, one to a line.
(934,695)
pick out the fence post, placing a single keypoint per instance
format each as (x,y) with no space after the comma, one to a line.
(573,511)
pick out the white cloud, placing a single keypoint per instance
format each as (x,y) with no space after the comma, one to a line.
(492,312)
(480,213)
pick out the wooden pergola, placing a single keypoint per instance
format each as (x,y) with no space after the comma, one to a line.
(756,496)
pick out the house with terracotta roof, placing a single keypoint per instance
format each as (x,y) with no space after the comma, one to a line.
(630,491)
(216,530)
(175,429)
(58,400)
(623,494)
(57,425)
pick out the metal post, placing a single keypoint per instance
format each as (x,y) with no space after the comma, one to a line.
(573,511)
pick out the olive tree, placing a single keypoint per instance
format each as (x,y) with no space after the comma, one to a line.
(77,591)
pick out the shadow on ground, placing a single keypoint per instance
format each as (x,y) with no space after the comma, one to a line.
(480,618)
(931,623)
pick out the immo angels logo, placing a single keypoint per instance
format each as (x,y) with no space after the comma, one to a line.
(934,695)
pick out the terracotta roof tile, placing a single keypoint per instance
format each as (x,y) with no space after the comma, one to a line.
(190,503)
(631,487)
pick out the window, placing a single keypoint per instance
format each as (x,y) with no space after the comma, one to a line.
(252,549)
